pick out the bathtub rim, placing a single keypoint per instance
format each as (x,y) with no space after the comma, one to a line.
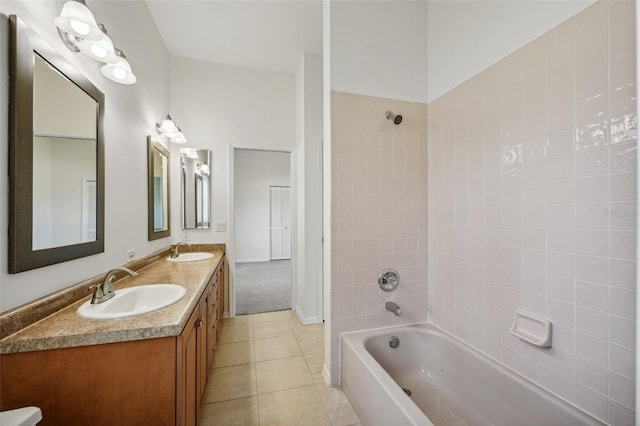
(359,337)
(412,412)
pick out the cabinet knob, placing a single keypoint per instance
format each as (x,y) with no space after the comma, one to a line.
(199,324)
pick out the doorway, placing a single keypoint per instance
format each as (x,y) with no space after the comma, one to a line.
(262,230)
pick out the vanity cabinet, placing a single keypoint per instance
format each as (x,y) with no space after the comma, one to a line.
(196,349)
(158,381)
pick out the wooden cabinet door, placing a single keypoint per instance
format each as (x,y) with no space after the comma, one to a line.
(212,322)
(201,336)
(188,386)
(221,295)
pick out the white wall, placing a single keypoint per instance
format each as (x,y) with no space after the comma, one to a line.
(130,115)
(465,37)
(379,48)
(254,172)
(221,105)
(307,294)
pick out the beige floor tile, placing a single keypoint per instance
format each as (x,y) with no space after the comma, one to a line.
(270,316)
(240,412)
(337,405)
(300,406)
(234,382)
(276,347)
(234,354)
(311,343)
(315,362)
(236,333)
(294,318)
(312,328)
(237,320)
(281,374)
(263,330)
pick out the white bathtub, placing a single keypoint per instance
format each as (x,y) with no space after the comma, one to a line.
(450,383)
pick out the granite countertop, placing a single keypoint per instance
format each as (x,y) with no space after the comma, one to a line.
(65,328)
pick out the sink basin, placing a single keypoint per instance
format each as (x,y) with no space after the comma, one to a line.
(134,301)
(191,257)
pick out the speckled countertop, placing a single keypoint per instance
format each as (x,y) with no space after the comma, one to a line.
(66,328)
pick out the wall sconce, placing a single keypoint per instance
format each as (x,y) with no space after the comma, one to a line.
(80,32)
(168,129)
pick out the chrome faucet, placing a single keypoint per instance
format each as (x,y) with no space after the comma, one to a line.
(392,307)
(174,250)
(103,292)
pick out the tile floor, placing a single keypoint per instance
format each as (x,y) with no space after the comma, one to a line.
(268,371)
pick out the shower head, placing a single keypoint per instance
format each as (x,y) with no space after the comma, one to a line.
(397,119)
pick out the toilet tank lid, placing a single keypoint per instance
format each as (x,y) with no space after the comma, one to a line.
(27,416)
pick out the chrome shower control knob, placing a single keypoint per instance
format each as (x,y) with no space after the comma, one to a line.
(388,279)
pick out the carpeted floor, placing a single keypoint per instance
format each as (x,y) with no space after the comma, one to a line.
(263,286)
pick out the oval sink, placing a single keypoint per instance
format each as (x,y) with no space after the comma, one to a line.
(134,301)
(191,257)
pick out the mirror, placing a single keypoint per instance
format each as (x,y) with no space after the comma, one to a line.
(158,190)
(195,188)
(56,162)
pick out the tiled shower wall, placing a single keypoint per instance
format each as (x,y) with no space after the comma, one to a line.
(379,213)
(532,206)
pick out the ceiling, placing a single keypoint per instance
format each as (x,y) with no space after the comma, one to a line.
(270,35)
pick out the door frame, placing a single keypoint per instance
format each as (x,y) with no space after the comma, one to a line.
(230,252)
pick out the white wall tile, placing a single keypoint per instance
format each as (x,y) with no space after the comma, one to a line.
(593,322)
(592,348)
(592,295)
(621,389)
(623,331)
(592,375)
(592,402)
(547,227)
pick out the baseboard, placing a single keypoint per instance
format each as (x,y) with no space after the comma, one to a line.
(252,260)
(307,321)
(326,374)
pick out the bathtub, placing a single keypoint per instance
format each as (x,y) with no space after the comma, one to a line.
(450,383)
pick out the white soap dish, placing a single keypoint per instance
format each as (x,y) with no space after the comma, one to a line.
(532,329)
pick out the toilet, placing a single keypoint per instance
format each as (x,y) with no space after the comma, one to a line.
(26,416)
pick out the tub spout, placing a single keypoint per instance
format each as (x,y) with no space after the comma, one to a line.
(392,307)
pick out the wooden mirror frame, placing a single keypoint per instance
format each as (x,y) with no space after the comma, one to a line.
(23,43)
(151,146)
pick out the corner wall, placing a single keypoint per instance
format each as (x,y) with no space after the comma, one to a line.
(532,205)
(378,213)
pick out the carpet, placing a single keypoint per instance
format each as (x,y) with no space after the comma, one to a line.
(263,286)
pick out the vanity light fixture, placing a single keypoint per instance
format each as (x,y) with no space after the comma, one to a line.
(100,50)
(120,70)
(168,129)
(80,32)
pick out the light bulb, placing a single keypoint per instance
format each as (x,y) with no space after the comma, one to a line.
(119,73)
(79,27)
(99,51)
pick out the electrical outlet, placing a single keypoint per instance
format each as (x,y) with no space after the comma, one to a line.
(221,226)
(185,235)
(131,254)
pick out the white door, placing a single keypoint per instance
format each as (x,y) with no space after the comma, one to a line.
(280,222)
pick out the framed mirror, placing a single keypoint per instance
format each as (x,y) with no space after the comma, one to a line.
(56,156)
(158,190)
(195,188)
